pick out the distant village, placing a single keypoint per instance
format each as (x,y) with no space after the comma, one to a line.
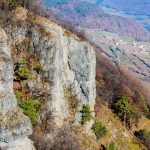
(125,50)
(135,47)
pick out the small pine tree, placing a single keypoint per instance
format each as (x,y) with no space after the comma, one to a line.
(86,114)
(23,71)
(99,129)
(125,112)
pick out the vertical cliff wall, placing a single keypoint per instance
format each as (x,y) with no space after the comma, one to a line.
(68,64)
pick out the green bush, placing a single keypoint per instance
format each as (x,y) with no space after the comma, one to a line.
(123,108)
(30,107)
(144,136)
(125,112)
(86,114)
(111,146)
(23,72)
(99,129)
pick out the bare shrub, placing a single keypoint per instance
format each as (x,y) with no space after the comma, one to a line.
(71,26)
(35,6)
(7,7)
(40,140)
(65,140)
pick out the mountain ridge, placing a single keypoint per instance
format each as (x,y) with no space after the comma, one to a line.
(140,7)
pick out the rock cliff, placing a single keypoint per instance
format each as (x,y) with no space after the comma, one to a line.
(14,126)
(68,64)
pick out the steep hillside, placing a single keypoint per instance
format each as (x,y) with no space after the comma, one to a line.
(88,15)
(116,86)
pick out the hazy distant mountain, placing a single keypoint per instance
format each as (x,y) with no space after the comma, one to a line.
(90,15)
(137,7)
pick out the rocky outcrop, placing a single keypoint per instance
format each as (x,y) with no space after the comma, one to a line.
(67,63)
(14,126)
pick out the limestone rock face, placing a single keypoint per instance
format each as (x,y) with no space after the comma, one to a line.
(14,125)
(67,63)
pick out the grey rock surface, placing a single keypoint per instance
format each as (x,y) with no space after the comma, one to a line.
(67,63)
(13,123)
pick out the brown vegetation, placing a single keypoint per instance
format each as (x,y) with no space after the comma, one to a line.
(7,7)
(65,140)
(114,82)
